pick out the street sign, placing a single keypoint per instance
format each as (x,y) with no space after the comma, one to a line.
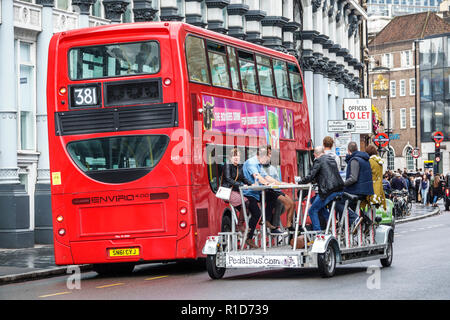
(359,110)
(437,136)
(341,125)
(341,141)
(381,140)
(380,86)
(416,153)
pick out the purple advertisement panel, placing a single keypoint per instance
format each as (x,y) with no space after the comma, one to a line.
(232,116)
(255,119)
(236,113)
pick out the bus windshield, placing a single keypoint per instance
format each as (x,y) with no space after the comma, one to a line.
(114,60)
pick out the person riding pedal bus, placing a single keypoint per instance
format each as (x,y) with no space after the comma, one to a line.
(358,182)
(234,178)
(254,171)
(326,174)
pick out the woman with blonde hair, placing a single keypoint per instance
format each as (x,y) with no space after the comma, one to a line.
(376,164)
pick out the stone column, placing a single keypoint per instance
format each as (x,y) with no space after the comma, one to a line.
(290,27)
(43,232)
(114,9)
(143,10)
(194,13)
(215,15)
(14,201)
(84,7)
(236,22)
(253,19)
(272,25)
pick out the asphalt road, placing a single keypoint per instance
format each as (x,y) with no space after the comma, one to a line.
(419,271)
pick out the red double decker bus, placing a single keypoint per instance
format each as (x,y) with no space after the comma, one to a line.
(141,117)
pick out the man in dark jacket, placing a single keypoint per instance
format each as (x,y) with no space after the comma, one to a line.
(326,173)
(358,179)
(397,182)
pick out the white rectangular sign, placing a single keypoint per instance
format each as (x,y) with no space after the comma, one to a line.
(259,260)
(341,126)
(359,110)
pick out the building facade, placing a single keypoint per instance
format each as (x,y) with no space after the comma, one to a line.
(327,37)
(435,96)
(396,50)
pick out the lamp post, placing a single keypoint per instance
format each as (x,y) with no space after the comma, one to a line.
(382,88)
(416,42)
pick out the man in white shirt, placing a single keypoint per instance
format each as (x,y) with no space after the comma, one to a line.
(327,145)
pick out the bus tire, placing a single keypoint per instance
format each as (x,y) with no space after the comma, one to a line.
(386,262)
(111,269)
(226,222)
(326,262)
(214,271)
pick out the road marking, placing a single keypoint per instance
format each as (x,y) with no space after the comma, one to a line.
(54,294)
(110,285)
(154,278)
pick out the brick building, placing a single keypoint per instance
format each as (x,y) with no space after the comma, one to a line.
(394,49)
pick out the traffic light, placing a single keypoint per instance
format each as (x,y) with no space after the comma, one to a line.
(437,151)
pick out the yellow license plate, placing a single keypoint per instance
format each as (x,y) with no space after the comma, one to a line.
(124,252)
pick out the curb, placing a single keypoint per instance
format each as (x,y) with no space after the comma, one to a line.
(41,274)
(424,216)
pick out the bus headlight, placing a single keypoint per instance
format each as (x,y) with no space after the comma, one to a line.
(183,224)
(60,218)
(183,210)
(61,232)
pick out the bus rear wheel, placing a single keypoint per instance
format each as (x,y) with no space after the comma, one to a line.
(111,269)
(214,271)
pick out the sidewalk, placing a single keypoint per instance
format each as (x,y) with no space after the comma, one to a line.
(29,264)
(35,263)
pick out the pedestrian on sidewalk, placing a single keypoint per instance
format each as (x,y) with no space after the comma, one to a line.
(424,185)
(437,189)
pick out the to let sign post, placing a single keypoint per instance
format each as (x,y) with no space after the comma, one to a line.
(359,110)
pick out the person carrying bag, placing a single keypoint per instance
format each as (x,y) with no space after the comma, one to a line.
(234,178)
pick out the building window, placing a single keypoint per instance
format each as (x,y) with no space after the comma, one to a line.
(390,158)
(409,158)
(371,88)
(393,89)
(26,94)
(403,118)
(386,60)
(412,117)
(412,86)
(63,4)
(390,124)
(406,58)
(402,88)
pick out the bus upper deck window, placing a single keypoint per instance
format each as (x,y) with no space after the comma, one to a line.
(296,82)
(248,72)
(218,64)
(265,76)
(281,79)
(234,69)
(114,60)
(196,60)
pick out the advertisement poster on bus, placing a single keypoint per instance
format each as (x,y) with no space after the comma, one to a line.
(273,136)
(237,117)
